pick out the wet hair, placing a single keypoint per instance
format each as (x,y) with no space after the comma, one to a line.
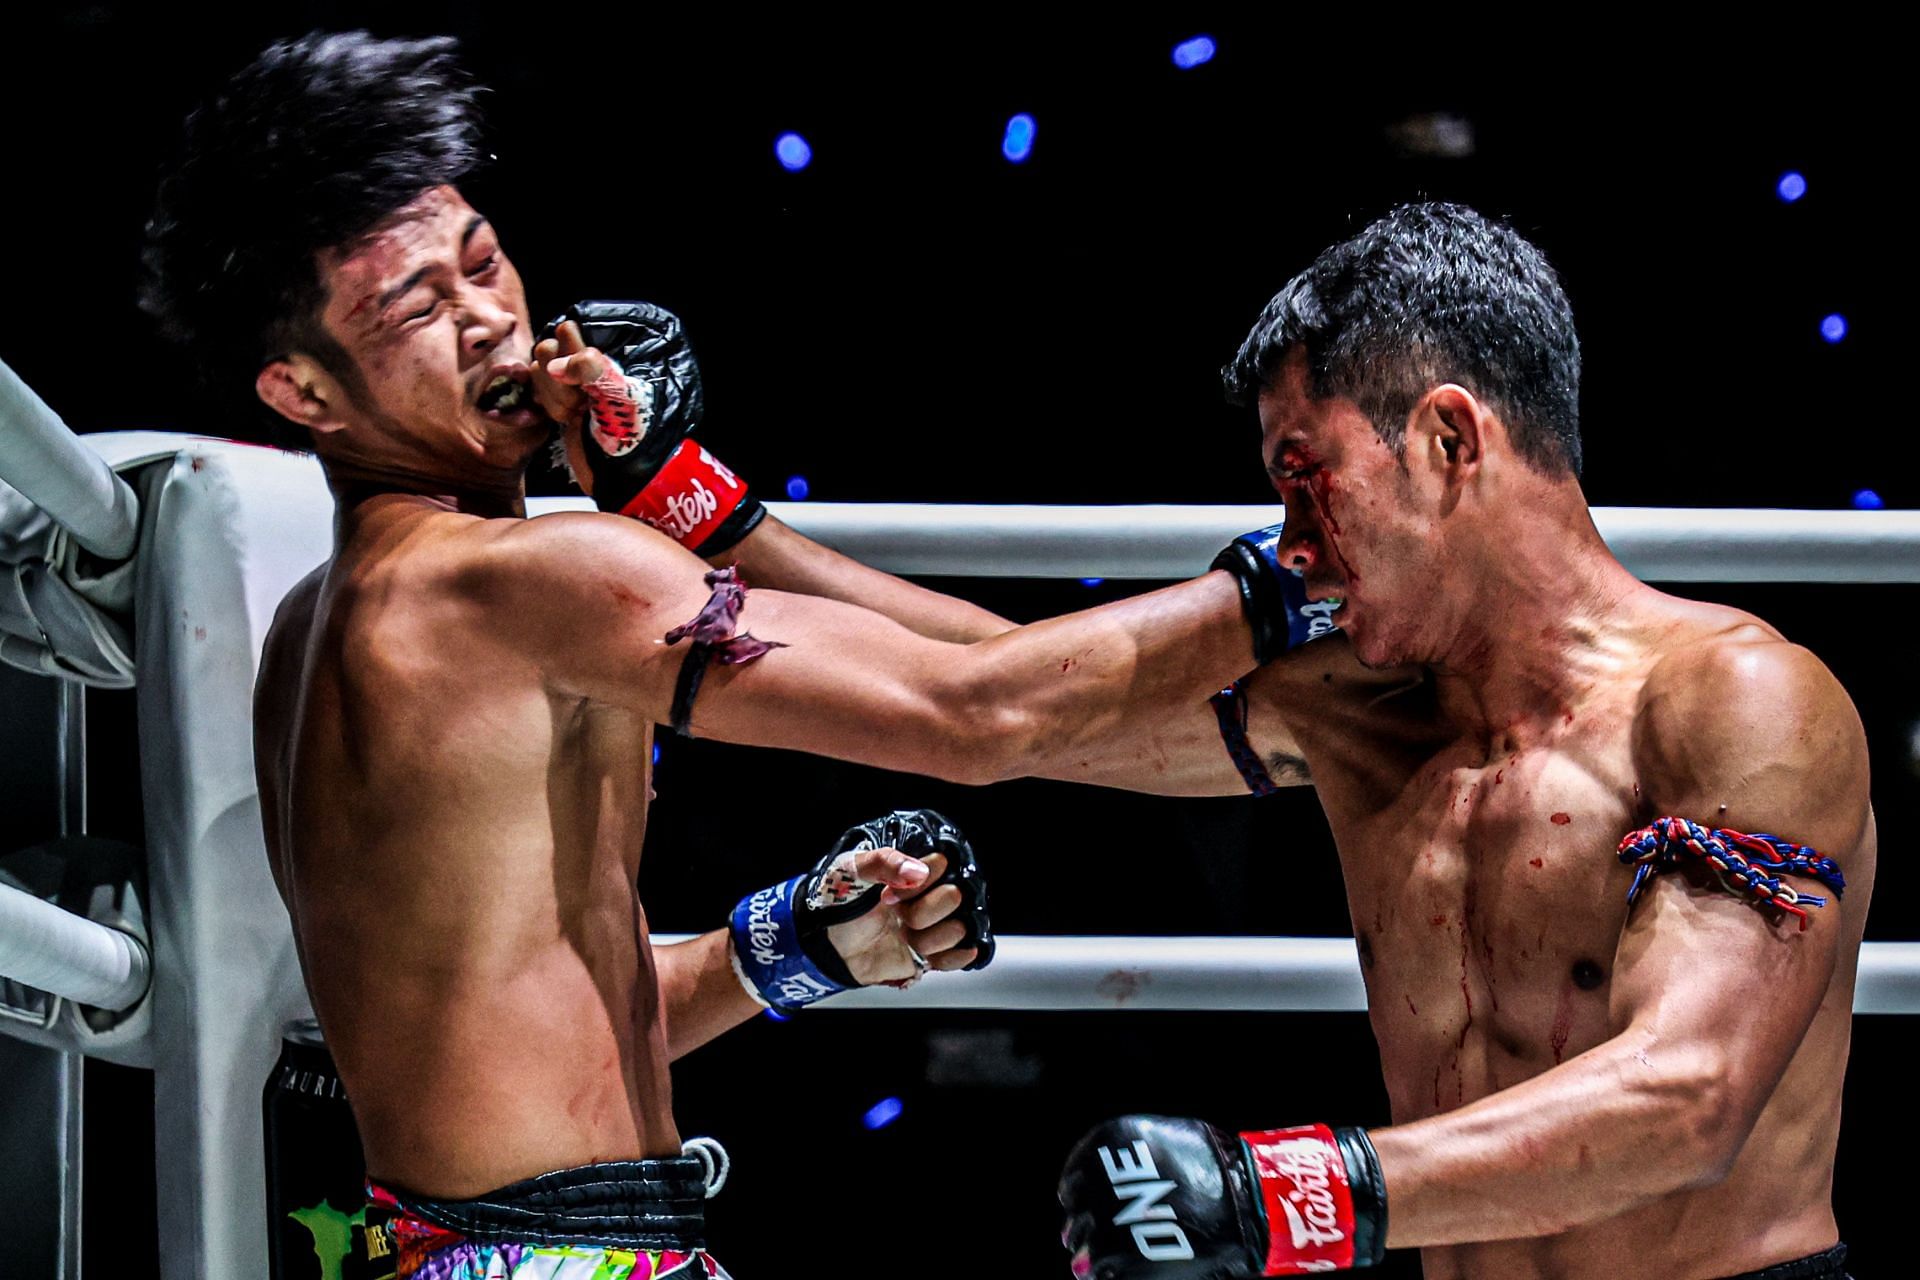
(312,146)
(1430,294)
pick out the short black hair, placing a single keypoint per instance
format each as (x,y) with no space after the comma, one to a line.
(311,146)
(1431,293)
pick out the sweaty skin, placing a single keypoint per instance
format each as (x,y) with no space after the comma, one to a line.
(1578,1091)
(453,724)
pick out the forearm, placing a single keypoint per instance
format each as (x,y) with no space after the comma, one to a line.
(777,555)
(1626,1123)
(1077,688)
(700,996)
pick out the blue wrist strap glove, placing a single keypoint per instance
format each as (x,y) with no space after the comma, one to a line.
(1273,595)
(780,945)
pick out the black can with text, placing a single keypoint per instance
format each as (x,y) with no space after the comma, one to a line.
(316,1172)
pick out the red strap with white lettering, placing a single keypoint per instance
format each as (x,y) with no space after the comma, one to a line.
(689,497)
(1303,1183)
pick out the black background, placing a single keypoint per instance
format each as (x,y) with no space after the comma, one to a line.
(915,318)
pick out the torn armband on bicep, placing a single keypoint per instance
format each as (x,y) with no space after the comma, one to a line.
(1747,866)
(711,633)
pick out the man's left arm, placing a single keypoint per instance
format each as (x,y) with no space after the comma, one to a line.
(867,914)
(1749,737)
(620,380)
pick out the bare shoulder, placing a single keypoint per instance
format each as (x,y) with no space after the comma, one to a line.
(1737,726)
(287,635)
(1321,685)
(560,554)
(583,597)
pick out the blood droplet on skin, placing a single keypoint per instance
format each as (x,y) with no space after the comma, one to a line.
(1496,777)
(1536,862)
(1438,921)
(1562,819)
(1562,1025)
(1412,1008)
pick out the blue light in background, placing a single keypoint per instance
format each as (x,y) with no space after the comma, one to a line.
(1834,327)
(1189,54)
(1791,186)
(1018,144)
(883,1113)
(793,151)
(1867,500)
(798,488)
(656,753)
(775,1014)
(1091,582)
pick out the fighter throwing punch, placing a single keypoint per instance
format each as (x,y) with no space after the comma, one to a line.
(1593,835)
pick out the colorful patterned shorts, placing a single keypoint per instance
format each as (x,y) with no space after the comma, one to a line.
(626,1220)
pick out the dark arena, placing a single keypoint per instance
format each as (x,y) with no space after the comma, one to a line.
(1186,645)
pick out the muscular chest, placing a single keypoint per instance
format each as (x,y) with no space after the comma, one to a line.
(1488,901)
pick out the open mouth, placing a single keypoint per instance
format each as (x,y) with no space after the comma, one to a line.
(504,395)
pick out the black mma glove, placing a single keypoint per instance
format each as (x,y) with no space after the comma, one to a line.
(780,944)
(640,419)
(1159,1198)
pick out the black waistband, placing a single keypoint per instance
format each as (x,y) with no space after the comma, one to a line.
(1828,1264)
(632,1204)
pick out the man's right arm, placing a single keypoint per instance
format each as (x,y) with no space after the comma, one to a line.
(777,555)
(588,598)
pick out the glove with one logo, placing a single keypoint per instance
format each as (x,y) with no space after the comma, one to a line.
(1159,1198)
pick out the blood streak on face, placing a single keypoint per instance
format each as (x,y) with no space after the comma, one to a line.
(1312,476)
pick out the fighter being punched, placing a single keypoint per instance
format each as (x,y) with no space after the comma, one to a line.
(455,712)
(1593,835)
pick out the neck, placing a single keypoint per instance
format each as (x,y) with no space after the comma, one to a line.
(493,496)
(1548,620)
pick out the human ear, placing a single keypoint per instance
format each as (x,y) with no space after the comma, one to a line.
(1452,427)
(298,389)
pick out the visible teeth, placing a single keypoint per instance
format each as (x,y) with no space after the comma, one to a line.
(503,393)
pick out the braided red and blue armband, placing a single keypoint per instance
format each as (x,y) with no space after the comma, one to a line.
(1230,709)
(1748,866)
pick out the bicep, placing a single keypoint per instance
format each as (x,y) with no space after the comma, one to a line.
(853,684)
(1754,739)
(595,596)
(1698,970)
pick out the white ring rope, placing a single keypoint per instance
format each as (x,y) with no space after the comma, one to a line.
(1659,544)
(51,948)
(54,950)
(1221,975)
(60,475)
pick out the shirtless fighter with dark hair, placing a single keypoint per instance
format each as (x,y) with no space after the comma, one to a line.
(455,712)
(1592,834)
